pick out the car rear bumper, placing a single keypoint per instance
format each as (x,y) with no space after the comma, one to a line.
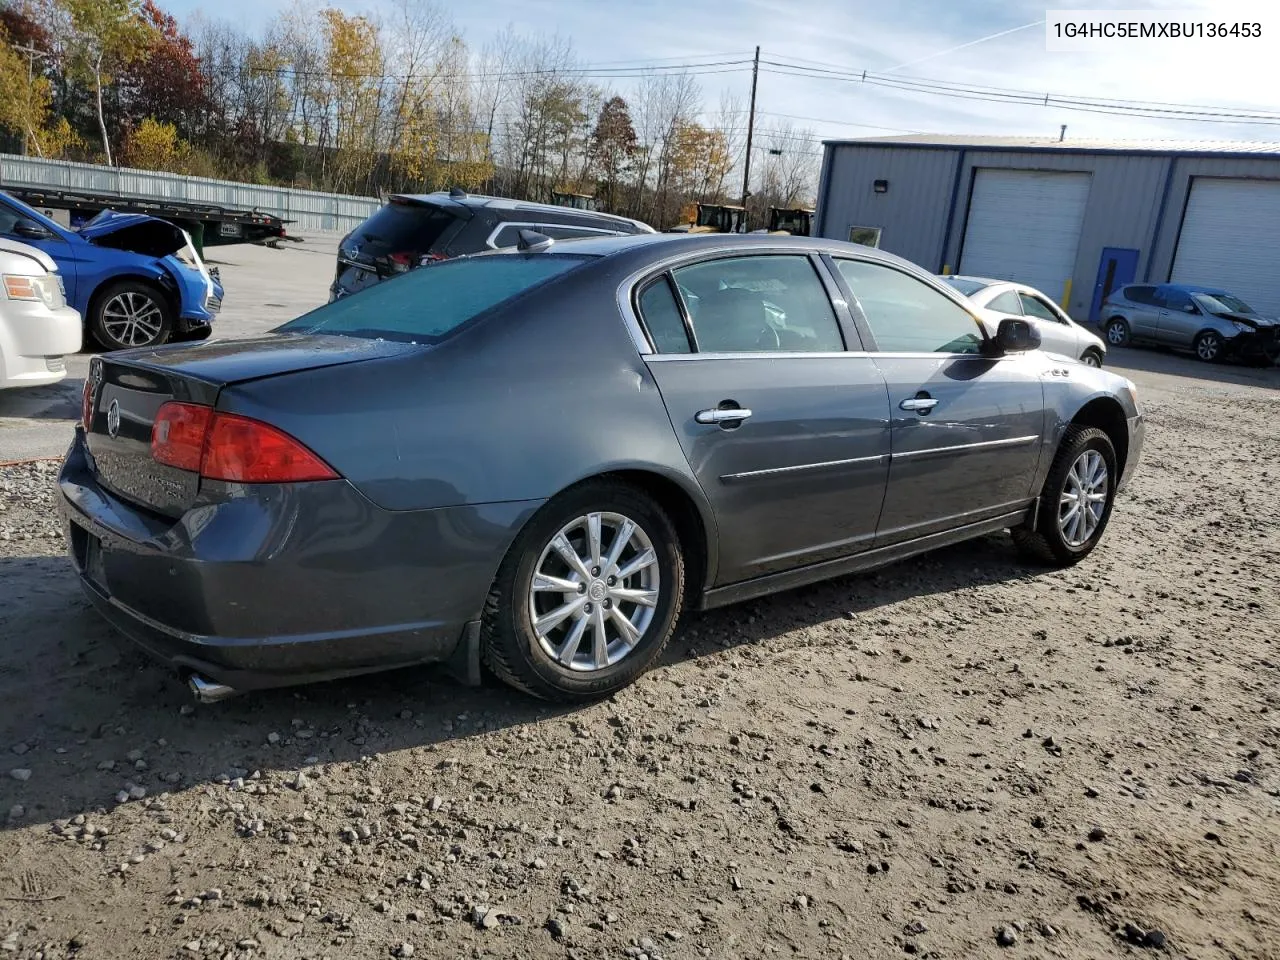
(33,342)
(284,585)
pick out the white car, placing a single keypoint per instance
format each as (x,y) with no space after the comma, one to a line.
(1058,332)
(37,328)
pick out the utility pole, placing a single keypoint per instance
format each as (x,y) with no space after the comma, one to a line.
(751,124)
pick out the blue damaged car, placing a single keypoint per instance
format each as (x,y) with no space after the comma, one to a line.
(136,280)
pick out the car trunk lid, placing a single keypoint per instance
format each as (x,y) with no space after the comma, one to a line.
(126,390)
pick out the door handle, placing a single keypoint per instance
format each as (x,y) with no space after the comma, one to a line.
(919,404)
(730,415)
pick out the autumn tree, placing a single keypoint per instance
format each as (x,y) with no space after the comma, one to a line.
(612,148)
(165,81)
(26,102)
(103,37)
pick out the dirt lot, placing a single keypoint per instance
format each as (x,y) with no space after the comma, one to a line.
(961,756)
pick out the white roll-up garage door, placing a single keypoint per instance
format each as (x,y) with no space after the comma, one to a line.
(1024,226)
(1230,238)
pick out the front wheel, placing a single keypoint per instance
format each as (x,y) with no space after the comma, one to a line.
(1076,501)
(1208,347)
(131,314)
(1091,358)
(588,595)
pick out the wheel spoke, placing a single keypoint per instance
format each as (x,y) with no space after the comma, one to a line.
(593,539)
(645,559)
(545,583)
(643,598)
(570,556)
(549,621)
(600,636)
(569,649)
(626,629)
(620,541)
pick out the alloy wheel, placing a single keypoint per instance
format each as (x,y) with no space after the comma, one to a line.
(1117,334)
(594,591)
(132,319)
(1084,498)
(1208,347)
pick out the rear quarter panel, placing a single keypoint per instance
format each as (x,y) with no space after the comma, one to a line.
(546,392)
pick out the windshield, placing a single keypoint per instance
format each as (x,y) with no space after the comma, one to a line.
(1223,303)
(966,287)
(428,304)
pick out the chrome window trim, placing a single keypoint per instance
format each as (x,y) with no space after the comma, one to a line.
(827,355)
(534,225)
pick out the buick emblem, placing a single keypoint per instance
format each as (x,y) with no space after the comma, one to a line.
(113,419)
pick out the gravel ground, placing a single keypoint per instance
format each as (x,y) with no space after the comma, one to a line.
(958,757)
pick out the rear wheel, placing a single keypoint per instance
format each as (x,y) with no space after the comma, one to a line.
(588,595)
(1076,501)
(1208,347)
(1118,332)
(131,314)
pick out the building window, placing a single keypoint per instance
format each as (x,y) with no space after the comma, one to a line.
(867,236)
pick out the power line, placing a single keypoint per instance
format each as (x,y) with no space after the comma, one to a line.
(584,72)
(1193,112)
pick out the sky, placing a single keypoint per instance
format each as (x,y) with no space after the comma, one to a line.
(907,38)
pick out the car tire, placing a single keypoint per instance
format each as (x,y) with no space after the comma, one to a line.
(131,314)
(543,657)
(1209,346)
(1117,331)
(1091,358)
(1085,457)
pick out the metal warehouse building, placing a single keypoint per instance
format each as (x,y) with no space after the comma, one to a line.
(1073,218)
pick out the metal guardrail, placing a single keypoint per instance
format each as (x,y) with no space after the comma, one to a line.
(310,210)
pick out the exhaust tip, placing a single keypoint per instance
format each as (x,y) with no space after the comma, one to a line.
(206,691)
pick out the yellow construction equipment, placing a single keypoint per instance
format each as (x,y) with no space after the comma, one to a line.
(797,221)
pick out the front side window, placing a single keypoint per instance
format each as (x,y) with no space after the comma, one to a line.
(1177,300)
(1035,307)
(906,315)
(1007,302)
(774,303)
(428,304)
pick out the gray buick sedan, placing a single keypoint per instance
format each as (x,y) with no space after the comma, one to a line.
(534,461)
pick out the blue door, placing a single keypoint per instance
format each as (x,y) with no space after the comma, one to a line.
(1116,268)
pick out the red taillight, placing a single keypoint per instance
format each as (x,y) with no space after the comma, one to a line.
(223,446)
(178,434)
(400,262)
(250,451)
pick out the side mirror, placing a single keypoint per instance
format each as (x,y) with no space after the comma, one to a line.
(1016,336)
(1190,308)
(30,230)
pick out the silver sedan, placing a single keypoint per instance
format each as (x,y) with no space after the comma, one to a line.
(1058,332)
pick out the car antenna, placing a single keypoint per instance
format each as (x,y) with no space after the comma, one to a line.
(532,241)
(457,193)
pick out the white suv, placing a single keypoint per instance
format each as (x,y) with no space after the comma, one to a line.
(37,328)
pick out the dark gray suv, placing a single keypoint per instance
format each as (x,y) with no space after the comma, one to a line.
(415,229)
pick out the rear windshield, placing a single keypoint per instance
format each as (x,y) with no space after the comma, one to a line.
(427,304)
(966,287)
(410,228)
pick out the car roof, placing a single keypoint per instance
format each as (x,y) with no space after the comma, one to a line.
(648,247)
(1184,287)
(444,199)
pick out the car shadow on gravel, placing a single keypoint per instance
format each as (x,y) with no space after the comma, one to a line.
(87,716)
(1127,360)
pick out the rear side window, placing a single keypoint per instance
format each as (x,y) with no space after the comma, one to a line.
(1140,294)
(967,287)
(661,316)
(1007,302)
(410,228)
(427,304)
(765,303)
